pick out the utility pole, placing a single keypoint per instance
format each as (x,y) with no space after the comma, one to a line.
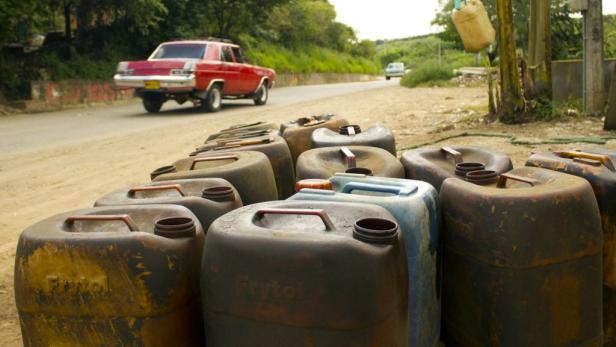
(440,52)
(610,114)
(512,100)
(594,82)
(539,84)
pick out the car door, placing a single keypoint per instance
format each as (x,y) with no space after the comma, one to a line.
(231,72)
(248,78)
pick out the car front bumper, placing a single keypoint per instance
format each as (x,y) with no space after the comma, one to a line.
(394,74)
(168,83)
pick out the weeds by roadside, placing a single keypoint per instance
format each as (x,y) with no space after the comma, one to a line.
(429,74)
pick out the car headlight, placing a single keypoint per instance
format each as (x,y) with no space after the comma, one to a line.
(123,69)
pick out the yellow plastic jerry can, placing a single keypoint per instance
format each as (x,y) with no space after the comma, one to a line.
(474,26)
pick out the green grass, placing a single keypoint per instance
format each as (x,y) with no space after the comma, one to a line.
(100,65)
(428,74)
(307,59)
(431,60)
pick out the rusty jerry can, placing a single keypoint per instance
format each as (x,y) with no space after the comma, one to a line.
(207,198)
(276,150)
(245,129)
(597,167)
(236,137)
(305,274)
(414,204)
(352,135)
(111,276)
(249,172)
(522,261)
(298,133)
(322,163)
(435,165)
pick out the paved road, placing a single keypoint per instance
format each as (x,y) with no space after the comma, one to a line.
(26,133)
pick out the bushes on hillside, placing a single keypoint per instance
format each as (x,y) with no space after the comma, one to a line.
(428,74)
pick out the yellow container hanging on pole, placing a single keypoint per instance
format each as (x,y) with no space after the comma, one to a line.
(474,26)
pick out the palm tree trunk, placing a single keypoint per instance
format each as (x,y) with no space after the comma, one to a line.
(512,101)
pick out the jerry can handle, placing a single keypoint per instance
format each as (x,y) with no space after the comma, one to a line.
(457,156)
(104,218)
(249,142)
(226,146)
(349,157)
(177,187)
(502,180)
(349,187)
(202,160)
(239,126)
(329,225)
(198,150)
(603,159)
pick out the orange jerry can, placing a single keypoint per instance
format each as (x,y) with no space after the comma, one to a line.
(298,133)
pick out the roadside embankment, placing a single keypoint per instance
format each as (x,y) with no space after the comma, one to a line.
(50,95)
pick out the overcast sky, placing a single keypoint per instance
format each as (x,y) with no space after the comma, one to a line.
(389,19)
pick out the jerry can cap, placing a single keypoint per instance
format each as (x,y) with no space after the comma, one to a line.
(360,171)
(175,227)
(462,169)
(376,231)
(319,184)
(349,130)
(219,194)
(482,177)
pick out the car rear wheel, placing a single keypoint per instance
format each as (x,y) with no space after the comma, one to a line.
(388,78)
(213,101)
(152,104)
(261,95)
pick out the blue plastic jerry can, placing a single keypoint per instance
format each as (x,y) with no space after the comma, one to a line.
(415,206)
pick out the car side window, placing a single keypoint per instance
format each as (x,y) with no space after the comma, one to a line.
(226,54)
(239,55)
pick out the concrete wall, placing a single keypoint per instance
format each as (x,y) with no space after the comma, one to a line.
(53,95)
(567,78)
(73,92)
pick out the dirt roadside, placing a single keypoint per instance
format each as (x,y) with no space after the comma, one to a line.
(44,183)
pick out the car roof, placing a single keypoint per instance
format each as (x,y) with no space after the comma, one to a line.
(209,42)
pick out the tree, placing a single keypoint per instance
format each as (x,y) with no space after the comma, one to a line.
(512,101)
(230,18)
(520,20)
(538,81)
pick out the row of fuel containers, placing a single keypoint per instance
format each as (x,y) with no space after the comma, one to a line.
(315,234)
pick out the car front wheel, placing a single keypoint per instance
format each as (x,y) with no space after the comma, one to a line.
(261,95)
(213,101)
(152,104)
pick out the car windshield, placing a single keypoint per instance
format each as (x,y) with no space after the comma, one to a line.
(396,66)
(181,51)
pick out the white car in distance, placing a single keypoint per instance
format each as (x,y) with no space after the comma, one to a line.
(394,70)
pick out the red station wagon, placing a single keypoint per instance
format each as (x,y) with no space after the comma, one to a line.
(203,72)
